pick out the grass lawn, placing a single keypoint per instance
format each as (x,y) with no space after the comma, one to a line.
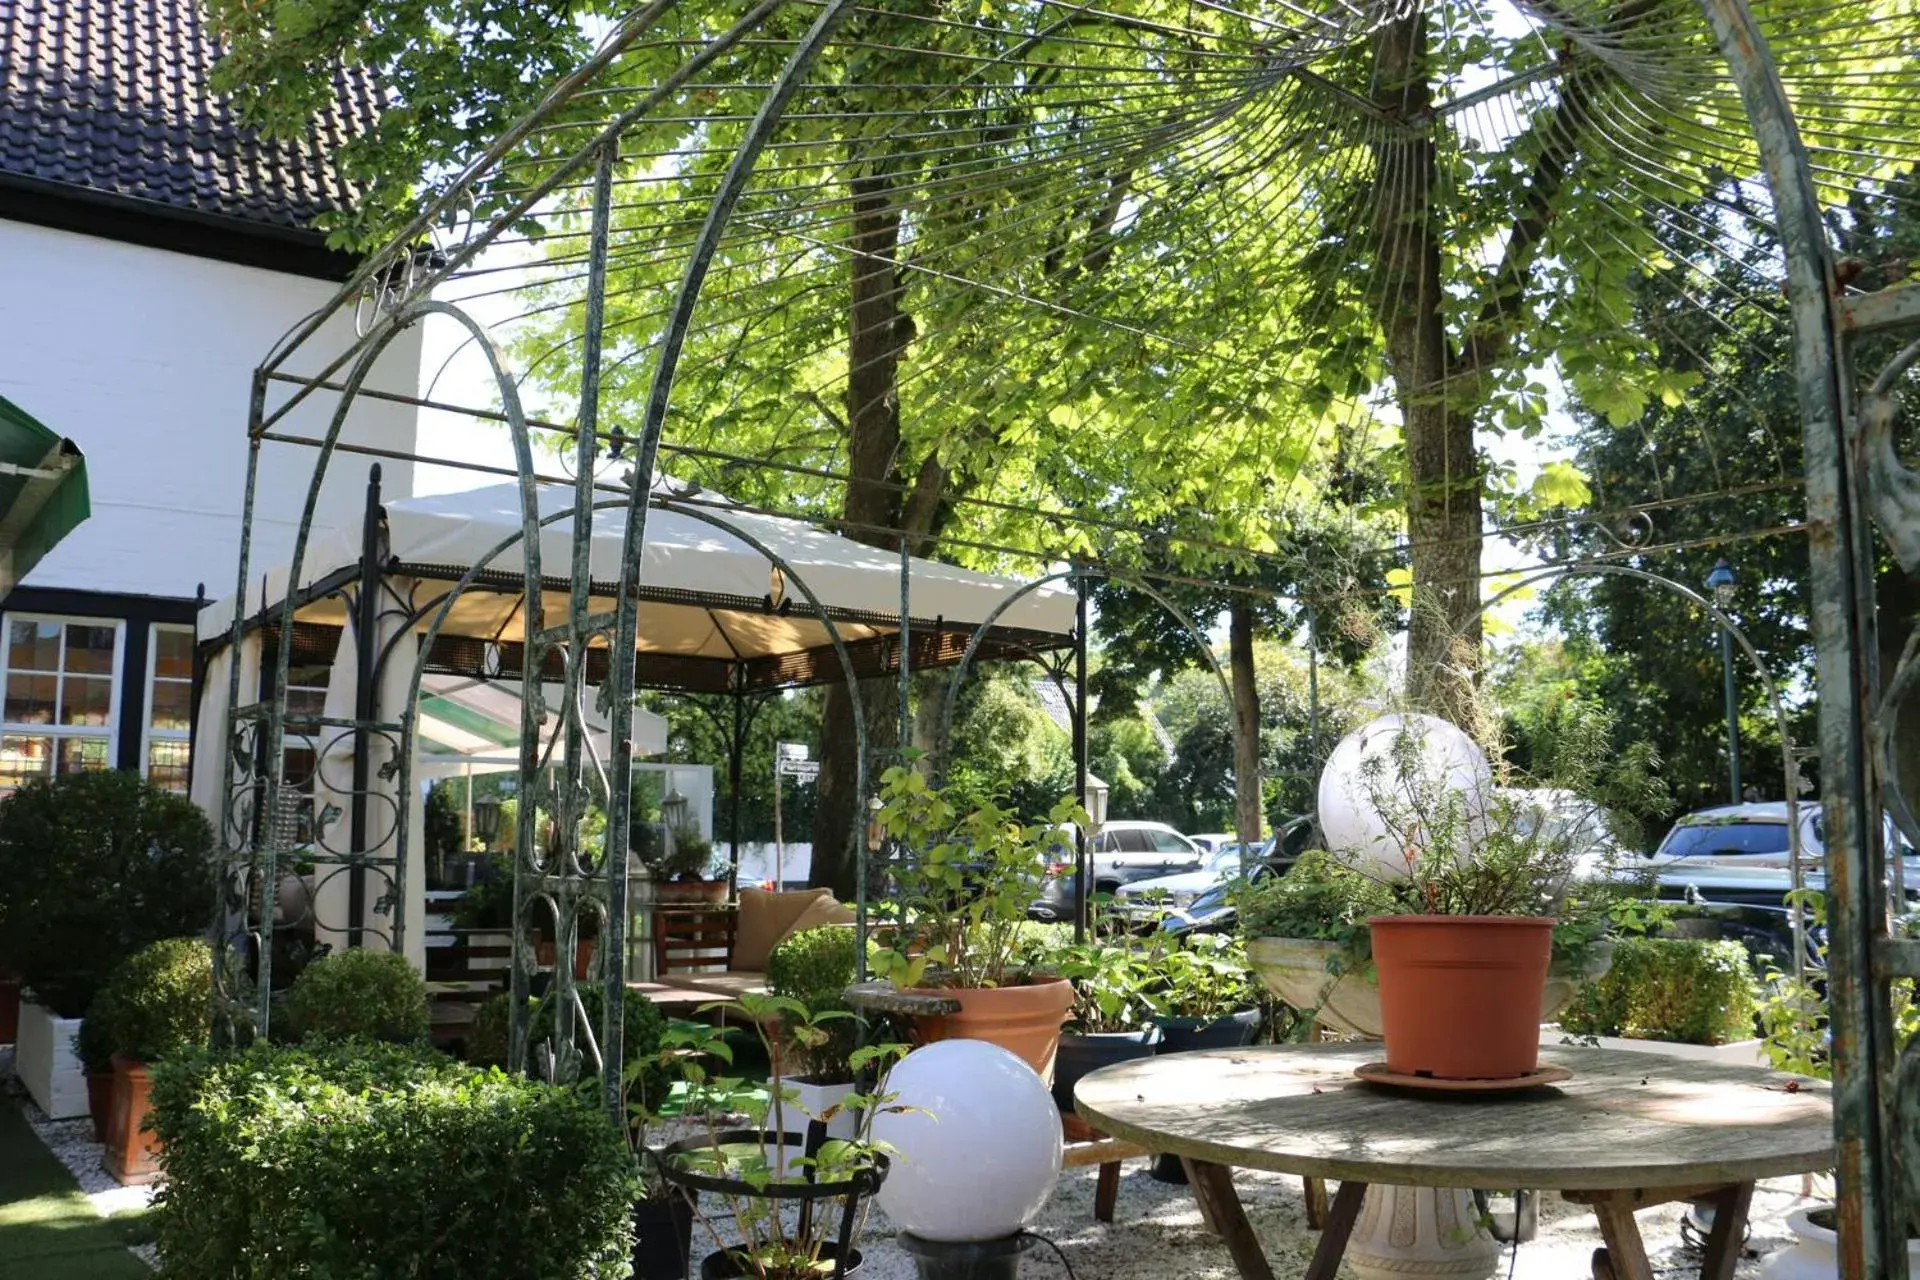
(48,1230)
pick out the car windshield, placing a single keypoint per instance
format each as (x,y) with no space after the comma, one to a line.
(1709,839)
(1226,862)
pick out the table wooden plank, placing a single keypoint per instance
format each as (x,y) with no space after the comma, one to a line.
(1729,1232)
(1220,1206)
(1333,1237)
(1624,1121)
(1625,1255)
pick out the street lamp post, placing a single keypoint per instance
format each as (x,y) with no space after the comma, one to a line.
(1722,583)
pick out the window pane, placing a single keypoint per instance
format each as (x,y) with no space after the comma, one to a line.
(90,649)
(167,765)
(1167,842)
(30,698)
(86,700)
(82,753)
(172,705)
(34,646)
(172,653)
(22,758)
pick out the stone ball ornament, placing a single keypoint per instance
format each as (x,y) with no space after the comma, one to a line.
(1351,786)
(976,1154)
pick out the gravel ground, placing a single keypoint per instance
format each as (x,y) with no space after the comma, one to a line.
(1156,1234)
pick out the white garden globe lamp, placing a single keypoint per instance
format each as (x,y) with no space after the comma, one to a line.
(1446,761)
(976,1154)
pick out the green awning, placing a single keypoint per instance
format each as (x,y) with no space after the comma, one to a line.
(43,492)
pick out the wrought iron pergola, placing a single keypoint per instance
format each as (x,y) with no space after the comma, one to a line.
(723,168)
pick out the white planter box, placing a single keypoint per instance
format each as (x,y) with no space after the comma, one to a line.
(1740,1053)
(45,1062)
(814,1100)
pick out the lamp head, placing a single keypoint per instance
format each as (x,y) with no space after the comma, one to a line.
(1094,801)
(486,820)
(1722,583)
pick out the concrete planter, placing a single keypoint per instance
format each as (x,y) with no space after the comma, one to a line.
(1740,1053)
(44,1060)
(1295,969)
(1815,1252)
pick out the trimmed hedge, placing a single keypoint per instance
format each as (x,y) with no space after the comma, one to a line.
(360,992)
(363,1161)
(158,1003)
(1687,990)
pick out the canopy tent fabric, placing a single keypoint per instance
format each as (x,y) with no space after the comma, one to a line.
(709,599)
(43,491)
(470,725)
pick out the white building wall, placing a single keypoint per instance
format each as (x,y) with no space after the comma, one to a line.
(144,358)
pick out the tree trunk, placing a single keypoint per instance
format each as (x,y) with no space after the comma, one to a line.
(876,332)
(1246,721)
(1444,478)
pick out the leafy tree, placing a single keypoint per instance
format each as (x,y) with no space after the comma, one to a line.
(1724,463)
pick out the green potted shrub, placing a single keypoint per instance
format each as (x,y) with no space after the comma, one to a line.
(1111,1020)
(157,1004)
(1690,997)
(815,967)
(965,881)
(1205,997)
(783,1158)
(96,866)
(373,995)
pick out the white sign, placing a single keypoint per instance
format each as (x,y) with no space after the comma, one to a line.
(793,751)
(800,770)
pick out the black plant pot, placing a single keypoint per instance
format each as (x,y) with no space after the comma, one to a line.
(731,1264)
(662,1237)
(1080,1054)
(1183,1035)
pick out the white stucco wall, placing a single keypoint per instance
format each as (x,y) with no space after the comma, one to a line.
(144,358)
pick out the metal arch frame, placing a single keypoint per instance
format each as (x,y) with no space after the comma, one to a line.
(1863,958)
(1789,757)
(1078,575)
(258,852)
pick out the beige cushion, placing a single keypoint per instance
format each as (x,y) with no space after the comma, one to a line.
(764,919)
(821,911)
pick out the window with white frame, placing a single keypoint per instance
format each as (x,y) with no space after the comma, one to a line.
(59,694)
(169,707)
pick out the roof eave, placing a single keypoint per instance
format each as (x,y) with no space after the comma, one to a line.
(157,225)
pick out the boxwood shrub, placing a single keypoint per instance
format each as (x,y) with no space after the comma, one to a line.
(360,992)
(1688,990)
(366,1161)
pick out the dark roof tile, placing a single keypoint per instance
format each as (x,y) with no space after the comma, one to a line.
(112,95)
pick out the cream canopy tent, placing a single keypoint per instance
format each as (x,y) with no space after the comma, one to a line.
(724,609)
(469,725)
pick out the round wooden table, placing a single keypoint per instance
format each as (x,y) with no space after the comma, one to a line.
(1628,1131)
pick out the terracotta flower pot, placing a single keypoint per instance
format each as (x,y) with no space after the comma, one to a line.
(1025,1020)
(132,1152)
(1460,995)
(100,1102)
(544,953)
(681,893)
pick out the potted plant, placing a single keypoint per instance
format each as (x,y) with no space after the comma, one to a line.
(784,1159)
(93,1045)
(965,882)
(157,1004)
(1111,1020)
(815,967)
(680,862)
(96,866)
(1205,996)
(1794,1016)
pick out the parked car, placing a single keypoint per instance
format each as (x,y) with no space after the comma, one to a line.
(1147,901)
(1756,835)
(1215,841)
(1123,852)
